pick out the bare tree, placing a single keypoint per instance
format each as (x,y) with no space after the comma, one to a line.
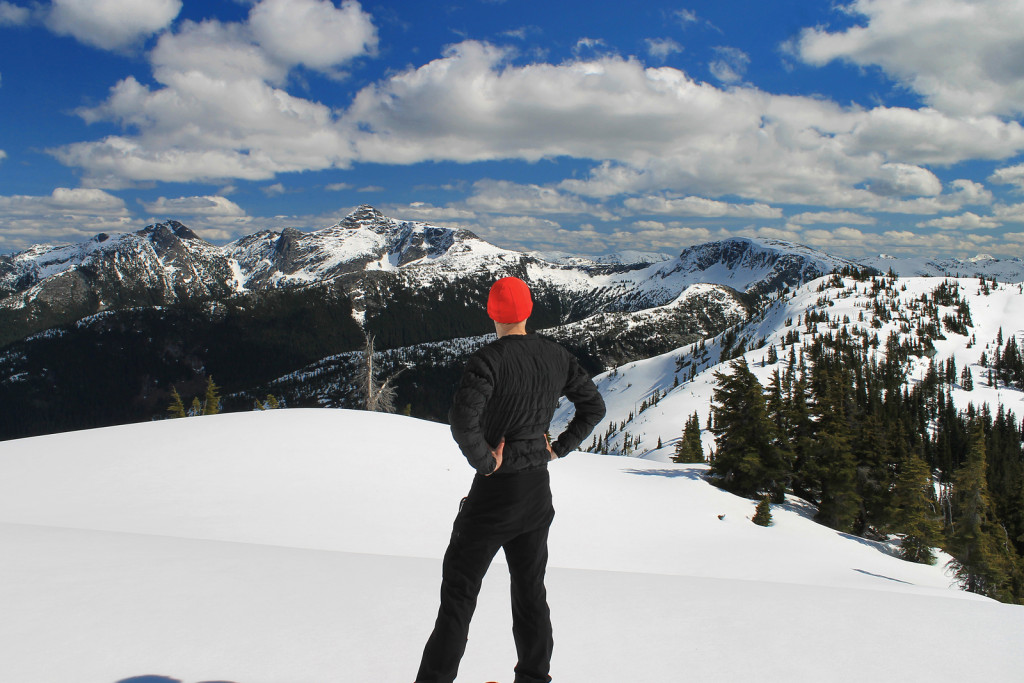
(378,395)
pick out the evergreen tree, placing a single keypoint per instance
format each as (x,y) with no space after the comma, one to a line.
(177,408)
(832,462)
(196,408)
(211,402)
(688,448)
(979,564)
(914,512)
(763,513)
(747,459)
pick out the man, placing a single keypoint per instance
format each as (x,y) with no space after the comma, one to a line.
(500,414)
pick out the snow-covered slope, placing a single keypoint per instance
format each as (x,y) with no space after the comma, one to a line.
(685,376)
(982,265)
(304,546)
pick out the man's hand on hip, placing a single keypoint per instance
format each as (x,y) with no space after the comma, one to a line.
(496,454)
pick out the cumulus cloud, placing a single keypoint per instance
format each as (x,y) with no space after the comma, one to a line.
(961,56)
(314,33)
(661,49)
(273,190)
(64,214)
(656,129)
(13,15)
(1013,213)
(208,205)
(836,217)
(422,211)
(111,24)
(700,206)
(502,196)
(730,64)
(337,187)
(965,221)
(220,110)
(1009,175)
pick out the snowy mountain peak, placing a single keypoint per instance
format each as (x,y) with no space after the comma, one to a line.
(366,216)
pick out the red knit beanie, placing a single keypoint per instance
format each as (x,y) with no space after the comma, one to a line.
(509,301)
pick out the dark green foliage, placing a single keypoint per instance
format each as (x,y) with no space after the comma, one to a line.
(914,511)
(982,561)
(211,400)
(177,408)
(688,448)
(748,460)
(763,513)
(120,367)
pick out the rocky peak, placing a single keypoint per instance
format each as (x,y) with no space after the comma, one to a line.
(365,216)
(166,232)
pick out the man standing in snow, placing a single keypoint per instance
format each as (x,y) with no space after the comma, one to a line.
(500,415)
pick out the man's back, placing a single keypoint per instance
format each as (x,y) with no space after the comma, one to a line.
(509,391)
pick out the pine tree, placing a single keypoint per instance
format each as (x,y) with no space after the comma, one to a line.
(747,460)
(688,448)
(979,564)
(763,513)
(832,461)
(196,408)
(177,408)
(914,513)
(211,402)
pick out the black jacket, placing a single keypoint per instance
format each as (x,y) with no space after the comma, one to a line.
(510,390)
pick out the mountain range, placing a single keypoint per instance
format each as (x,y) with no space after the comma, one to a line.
(99,332)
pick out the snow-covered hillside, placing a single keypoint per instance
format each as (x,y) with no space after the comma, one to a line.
(304,546)
(684,379)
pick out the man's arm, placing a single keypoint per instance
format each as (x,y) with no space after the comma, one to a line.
(590,408)
(475,389)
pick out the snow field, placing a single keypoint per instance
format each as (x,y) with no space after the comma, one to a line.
(298,546)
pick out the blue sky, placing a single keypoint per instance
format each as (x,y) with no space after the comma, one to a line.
(588,127)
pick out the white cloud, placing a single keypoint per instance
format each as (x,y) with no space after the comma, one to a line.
(220,111)
(685,16)
(336,187)
(371,188)
(111,24)
(836,217)
(427,213)
(501,196)
(662,48)
(962,56)
(3,155)
(208,205)
(656,129)
(313,32)
(273,190)
(64,214)
(731,64)
(968,192)
(13,15)
(1013,213)
(1009,175)
(700,206)
(828,238)
(965,221)
(588,45)
(898,180)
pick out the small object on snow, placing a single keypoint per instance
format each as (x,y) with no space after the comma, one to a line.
(721,516)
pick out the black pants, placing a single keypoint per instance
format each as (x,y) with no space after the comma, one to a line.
(510,511)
